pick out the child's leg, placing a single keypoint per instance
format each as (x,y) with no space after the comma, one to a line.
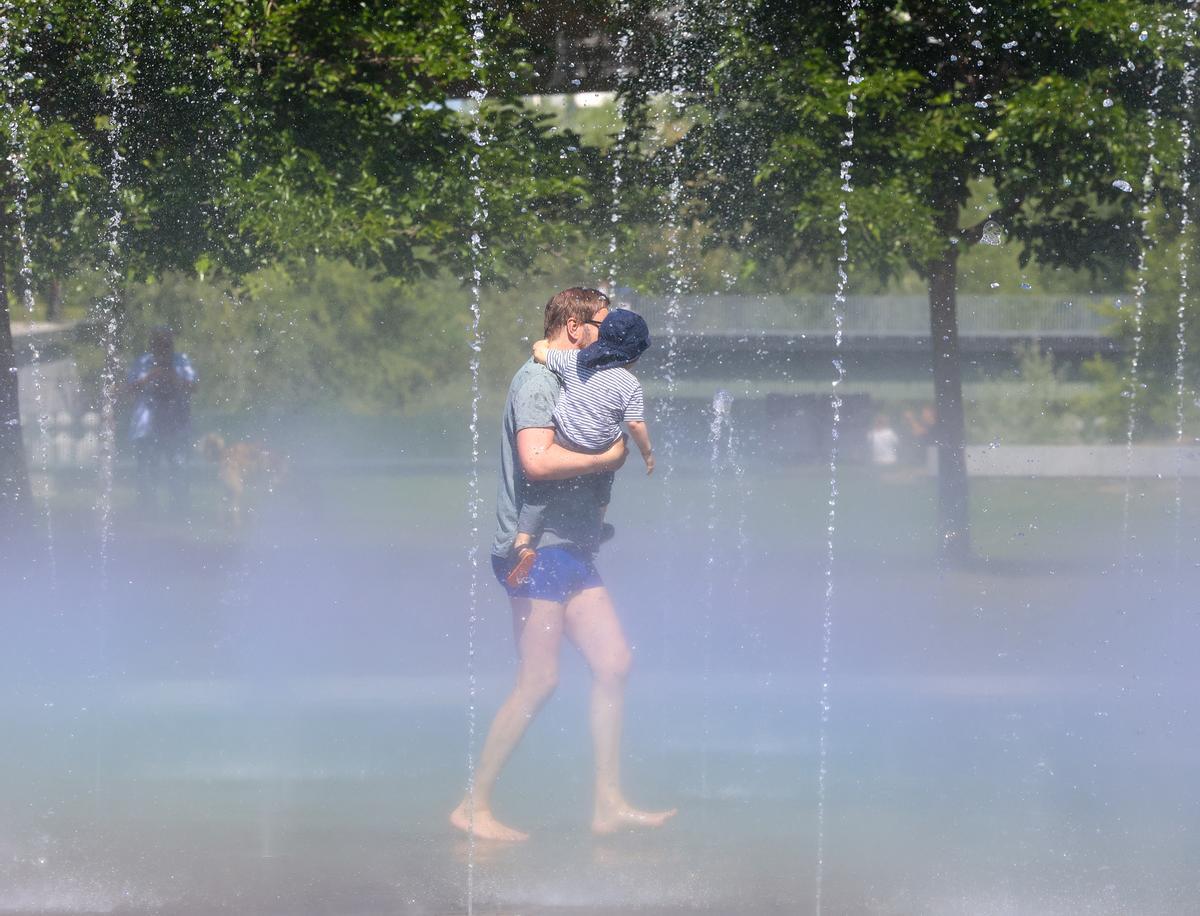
(529,528)
(604,483)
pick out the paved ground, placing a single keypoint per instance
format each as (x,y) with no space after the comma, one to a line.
(274,720)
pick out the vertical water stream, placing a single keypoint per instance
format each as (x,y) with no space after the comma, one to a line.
(478,222)
(1185,251)
(12,39)
(1139,308)
(839,305)
(119,95)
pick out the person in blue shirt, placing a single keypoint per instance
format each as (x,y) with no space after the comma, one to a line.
(161,382)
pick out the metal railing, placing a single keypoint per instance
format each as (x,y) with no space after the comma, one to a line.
(881,315)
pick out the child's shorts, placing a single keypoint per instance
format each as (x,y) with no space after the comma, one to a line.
(558,574)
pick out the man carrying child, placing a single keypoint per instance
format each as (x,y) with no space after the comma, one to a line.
(562,593)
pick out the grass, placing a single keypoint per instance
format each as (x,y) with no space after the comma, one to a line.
(889,515)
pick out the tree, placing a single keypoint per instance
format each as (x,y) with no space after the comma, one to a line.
(1064,107)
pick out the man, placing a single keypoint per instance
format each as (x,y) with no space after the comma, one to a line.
(563,593)
(161,381)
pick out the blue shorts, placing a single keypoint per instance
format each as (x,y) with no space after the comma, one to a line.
(558,574)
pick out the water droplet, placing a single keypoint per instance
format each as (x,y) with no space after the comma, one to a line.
(1133,26)
(1009,45)
(1122,185)
(1143,36)
(992,233)
(1026,286)
(1108,103)
(981,104)
(995,285)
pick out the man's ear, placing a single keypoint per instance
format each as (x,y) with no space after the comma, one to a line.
(573,328)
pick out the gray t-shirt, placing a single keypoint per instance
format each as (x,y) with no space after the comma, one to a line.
(573,514)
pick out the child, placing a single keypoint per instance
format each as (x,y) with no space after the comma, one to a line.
(598,394)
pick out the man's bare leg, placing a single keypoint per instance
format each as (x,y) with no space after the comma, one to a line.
(539,626)
(592,625)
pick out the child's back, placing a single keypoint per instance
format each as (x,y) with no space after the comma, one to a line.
(594,401)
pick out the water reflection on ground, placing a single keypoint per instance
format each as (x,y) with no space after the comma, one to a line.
(273,720)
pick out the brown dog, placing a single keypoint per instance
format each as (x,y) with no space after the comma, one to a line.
(242,466)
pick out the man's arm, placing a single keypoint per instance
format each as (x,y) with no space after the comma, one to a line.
(542,459)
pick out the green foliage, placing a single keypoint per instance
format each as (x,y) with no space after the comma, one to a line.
(942,97)
(328,336)
(240,135)
(1043,409)
(1159,393)
(348,146)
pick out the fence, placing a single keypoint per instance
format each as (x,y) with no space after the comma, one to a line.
(902,316)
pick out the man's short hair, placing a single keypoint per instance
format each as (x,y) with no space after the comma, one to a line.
(577,302)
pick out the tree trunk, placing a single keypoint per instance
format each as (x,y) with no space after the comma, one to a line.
(54,299)
(950,433)
(15,501)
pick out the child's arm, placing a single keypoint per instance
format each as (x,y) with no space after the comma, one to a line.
(561,362)
(641,435)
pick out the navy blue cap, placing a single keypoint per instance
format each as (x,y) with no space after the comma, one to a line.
(624,337)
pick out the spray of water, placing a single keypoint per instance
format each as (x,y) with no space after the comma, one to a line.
(839,307)
(665,409)
(722,406)
(680,30)
(1139,310)
(478,222)
(741,491)
(1185,251)
(623,39)
(119,97)
(9,30)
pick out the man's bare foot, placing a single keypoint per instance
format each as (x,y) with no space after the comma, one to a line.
(610,819)
(484,826)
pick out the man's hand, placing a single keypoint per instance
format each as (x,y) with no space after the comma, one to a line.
(540,349)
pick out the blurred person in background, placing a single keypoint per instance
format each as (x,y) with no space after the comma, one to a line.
(885,443)
(921,428)
(161,382)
